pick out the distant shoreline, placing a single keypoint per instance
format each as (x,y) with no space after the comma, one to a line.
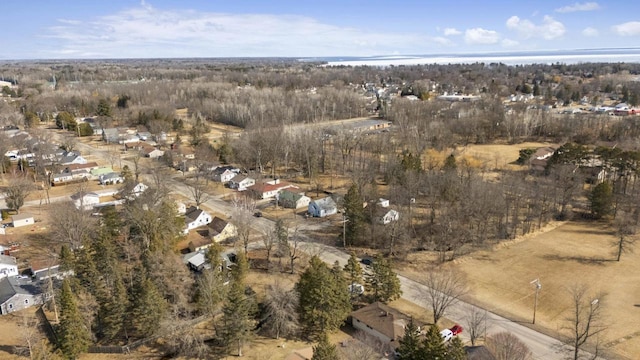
(630,55)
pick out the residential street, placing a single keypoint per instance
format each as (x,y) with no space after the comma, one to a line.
(542,346)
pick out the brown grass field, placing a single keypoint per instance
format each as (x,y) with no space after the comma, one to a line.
(565,255)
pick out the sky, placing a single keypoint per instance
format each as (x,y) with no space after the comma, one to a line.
(87,29)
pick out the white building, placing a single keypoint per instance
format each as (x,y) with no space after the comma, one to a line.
(8,266)
(22,220)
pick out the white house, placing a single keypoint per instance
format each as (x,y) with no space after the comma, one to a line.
(136,190)
(241,182)
(385,216)
(8,266)
(110,178)
(323,207)
(85,201)
(72,158)
(22,220)
(224,173)
(269,189)
(194,218)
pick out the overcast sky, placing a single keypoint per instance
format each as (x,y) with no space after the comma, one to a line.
(80,29)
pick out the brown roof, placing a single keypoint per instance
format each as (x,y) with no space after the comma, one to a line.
(74,167)
(216,226)
(384,319)
(199,242)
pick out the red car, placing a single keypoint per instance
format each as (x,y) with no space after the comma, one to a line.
(456,329)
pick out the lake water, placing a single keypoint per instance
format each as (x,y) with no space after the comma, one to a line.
(617,55)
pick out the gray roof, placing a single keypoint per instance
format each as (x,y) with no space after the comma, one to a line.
(326,203)
(9,260)
(23,216)
(193,213)
(11,286)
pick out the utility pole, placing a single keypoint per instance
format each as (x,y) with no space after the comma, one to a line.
(538,286)
(344,230)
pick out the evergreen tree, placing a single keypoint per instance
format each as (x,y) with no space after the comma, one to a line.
(148,306)
(104,108)
(238,310)
(324,299)
(384,281)
(354,213)
(450,163)
(325,350)
(354,272)
(74,337)
(433,346)
(66,259)
(409,348)
(455,350)
(113,311)
(601,198)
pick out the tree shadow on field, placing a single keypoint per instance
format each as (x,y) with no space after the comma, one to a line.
(579,259)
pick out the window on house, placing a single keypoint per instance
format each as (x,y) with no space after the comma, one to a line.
(26,301)
(10,306)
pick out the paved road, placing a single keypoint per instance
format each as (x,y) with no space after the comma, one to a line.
(542,346)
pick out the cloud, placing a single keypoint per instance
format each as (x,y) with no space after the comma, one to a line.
(145,31)
(588,6)
(590,32)
(452,31)
(549,29)
(631,28)
(510,43)
(481,36)
(442,41)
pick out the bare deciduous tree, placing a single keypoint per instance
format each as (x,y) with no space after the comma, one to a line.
(243,218)
(625,227)
(198,190)
(444,288)
(476,323)
(585,321)
(281,316)
(506,346)
(17,190)
(71,225)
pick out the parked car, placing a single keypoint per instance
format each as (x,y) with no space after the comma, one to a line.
(366,261)
(456,329)
(446,335)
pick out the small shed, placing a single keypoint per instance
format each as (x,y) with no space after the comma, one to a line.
(22,220)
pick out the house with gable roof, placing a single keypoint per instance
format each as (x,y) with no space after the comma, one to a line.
(241,182)
(269,189)
(382,322)
(195,217)
(323,207)
(291,199)
(8,266)
(17,294)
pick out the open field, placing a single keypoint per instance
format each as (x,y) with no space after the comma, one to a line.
(569,254)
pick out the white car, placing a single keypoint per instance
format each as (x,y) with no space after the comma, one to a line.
(356,289)
(446,335)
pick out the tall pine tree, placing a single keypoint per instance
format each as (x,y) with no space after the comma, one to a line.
(384,281)
(238,309)
(354,273)
(433,345)
(409,348)
(73,336)
(148,306)
(325,350)
(455,350)
(355,216)
(324,298)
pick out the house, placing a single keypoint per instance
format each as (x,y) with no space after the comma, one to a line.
(241,182)
(19,220)
(72,158)
(86,167)
(43,269)
(323,207)
(195,217)
(102,170)
(134,190)
(85,200)
(224,173)
(383,323)
(17,294)
(152,152)
(221,230)
(538,161)
(196,260)
(269,189)
(200,244)
(61,178)
(386,216)
(110,178)
(8,266)
(293,200)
